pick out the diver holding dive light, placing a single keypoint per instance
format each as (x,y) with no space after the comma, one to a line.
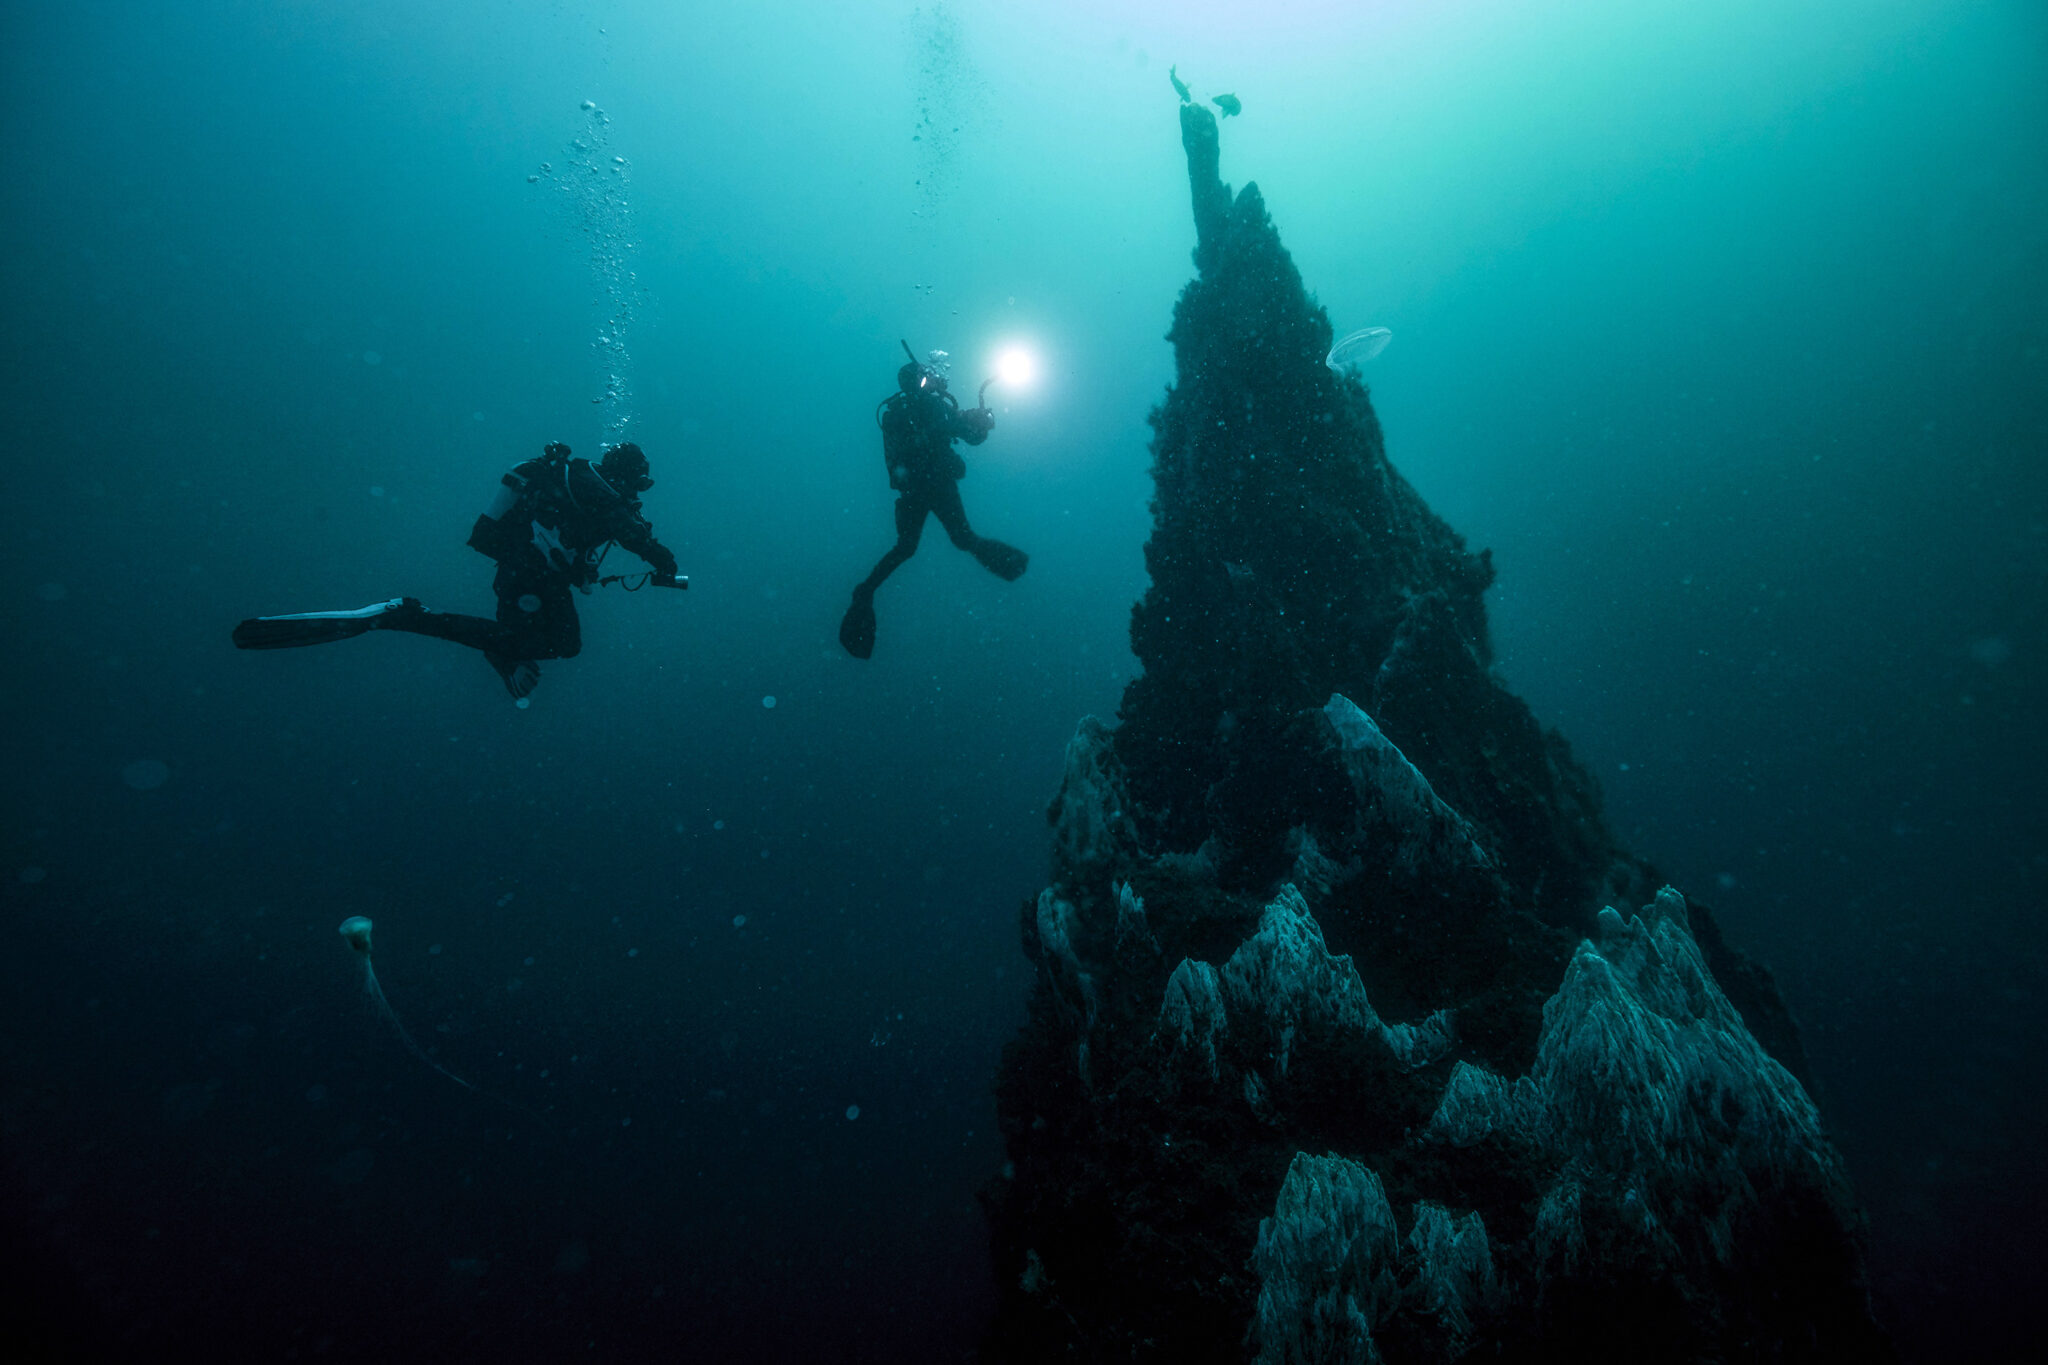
(548,529)
(919,424)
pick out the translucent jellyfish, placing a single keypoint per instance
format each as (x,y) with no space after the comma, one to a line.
(1359,347)
(356,929)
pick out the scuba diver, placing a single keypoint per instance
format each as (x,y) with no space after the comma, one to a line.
(548,529)
(919,424)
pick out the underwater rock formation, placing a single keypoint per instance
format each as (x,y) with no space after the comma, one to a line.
(1356,1034)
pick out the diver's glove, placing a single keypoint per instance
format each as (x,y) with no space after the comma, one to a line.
(984,418)
(662,559)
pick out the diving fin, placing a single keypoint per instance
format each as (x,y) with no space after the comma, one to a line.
(313,627)
(1006,562)
(521,675)
(857,628)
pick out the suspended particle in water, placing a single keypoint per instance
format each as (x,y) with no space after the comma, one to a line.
(1358,347)
(768,703)
(852,1112)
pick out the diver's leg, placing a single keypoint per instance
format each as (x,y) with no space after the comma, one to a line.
(911,510)
(538,612)
(530,602)
(561,627)
(1006,562)
(500,641)
(475,632)
(857,627)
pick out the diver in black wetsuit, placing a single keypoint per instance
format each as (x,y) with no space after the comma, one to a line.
(549,528)
(919,425)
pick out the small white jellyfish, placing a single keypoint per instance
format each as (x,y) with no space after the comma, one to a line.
(356,929)
(768,703)
(588,105)
(852,1112)
(1358,347)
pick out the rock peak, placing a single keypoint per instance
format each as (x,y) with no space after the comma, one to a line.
(1341,1045)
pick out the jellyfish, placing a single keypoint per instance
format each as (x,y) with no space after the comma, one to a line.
(356,929)
(1358,347)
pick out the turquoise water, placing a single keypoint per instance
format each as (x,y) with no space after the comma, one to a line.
(1722,327)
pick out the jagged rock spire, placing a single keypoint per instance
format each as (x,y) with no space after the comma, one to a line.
(1335,1051)
(1289,561)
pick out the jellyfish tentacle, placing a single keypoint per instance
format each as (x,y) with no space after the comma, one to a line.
(398,1026)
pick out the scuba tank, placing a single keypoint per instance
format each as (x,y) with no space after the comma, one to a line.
(497,533)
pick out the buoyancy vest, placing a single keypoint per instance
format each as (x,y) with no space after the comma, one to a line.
(917,439)
(556,510)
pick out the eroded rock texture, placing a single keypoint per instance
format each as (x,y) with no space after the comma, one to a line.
(1356,1035)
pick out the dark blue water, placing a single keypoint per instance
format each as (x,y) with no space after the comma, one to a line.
(1724,331)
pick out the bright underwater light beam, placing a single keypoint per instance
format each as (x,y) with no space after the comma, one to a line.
(1016,367)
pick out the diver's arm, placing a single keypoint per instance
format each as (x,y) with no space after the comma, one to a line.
(972,425)
(638,537)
